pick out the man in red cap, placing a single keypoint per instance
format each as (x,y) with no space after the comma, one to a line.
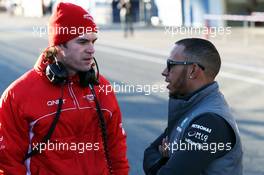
(56,119)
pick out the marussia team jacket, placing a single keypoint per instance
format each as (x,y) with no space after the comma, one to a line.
(28,107)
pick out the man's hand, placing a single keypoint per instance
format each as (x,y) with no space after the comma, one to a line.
(164,148)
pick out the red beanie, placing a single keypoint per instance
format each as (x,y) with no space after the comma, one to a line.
(69,21)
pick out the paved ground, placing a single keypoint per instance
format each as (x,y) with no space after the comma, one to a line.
(139,60)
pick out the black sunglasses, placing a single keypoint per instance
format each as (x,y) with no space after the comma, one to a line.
(171,63)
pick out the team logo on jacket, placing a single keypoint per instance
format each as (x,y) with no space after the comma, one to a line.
(203,128)
(89,17)
(54,102)
(198,135)
(89,97)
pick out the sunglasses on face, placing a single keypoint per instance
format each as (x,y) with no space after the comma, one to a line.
(171,63)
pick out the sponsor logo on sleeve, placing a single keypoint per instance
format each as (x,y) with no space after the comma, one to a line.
(198,135)
(203,128)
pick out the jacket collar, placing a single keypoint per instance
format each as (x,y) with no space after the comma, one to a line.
(179,106)
(41,65)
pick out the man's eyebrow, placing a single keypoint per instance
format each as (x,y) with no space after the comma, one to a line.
(86,40)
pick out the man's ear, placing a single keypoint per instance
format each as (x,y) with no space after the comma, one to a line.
(60,50)
(194,71)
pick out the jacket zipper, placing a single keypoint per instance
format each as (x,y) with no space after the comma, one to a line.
(73,95)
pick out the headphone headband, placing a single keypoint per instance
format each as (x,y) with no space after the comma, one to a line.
(58,74)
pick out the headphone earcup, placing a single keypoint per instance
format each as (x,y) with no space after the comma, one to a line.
(88,77)
(56,73)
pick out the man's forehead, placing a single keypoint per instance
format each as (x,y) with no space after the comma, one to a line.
(88,36)
(177,52)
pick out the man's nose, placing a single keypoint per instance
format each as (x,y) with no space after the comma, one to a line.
(90,48)
(165,72)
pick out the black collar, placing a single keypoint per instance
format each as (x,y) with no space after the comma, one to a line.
(188,96)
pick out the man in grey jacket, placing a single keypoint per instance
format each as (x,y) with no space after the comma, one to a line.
(202,137)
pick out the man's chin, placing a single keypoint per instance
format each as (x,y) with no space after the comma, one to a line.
(171,91)
(85,69)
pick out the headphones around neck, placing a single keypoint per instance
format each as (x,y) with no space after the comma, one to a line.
(58,74)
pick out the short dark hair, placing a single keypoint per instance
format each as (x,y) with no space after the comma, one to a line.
(204,52)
